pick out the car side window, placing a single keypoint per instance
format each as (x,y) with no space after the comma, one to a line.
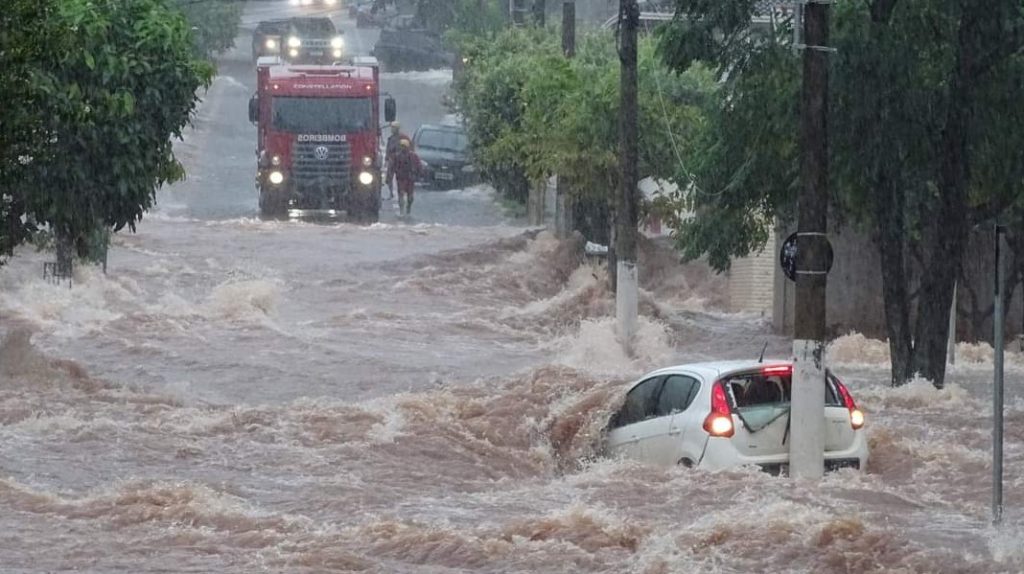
(641,403)
(676,394)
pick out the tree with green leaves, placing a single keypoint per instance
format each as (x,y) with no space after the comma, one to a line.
(925,104)
(463,16)
(106,102)
(214,23)
(531,113)
(26,38)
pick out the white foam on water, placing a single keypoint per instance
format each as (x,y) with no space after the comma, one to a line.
(1007,545)
(919,393)
(481,192)
(439,77)
(244,299)
(84,307)
(595,348)
(854,349)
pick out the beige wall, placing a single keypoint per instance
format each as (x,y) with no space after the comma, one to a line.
(752,281)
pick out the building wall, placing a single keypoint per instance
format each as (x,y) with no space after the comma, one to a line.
(854,293)
(752,280)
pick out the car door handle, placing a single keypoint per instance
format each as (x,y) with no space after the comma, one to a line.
(675,431)
(633,439)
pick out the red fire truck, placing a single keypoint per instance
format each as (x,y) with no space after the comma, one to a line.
(319,136)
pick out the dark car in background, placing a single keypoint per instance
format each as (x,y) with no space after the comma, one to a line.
(444,151)
(268,37)
(403,47)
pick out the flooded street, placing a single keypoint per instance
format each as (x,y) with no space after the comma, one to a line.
(245,395)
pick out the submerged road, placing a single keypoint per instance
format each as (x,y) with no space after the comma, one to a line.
(428,397)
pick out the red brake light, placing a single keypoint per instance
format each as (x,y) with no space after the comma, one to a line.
(777,370)
(856,415)
(719,421)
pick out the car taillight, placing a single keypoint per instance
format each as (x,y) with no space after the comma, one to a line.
(856,415)
(719,421)
(777,370)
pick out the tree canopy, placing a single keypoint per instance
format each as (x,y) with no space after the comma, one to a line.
(104,86)
(532,113)
(925,100)
(214,23)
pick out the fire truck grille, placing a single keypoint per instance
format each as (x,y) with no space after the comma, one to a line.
(316,163)
(312,44)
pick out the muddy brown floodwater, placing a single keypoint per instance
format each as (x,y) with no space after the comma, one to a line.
(440,410)
(241,396)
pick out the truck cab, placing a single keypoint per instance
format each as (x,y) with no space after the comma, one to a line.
(318,137)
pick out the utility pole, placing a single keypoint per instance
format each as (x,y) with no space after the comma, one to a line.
(626,209)
(569,28)
(564,224)
(807,446)
(998,325)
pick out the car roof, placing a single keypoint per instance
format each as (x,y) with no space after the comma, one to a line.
(275,24)
(442,128)
(313,24)
(711,370)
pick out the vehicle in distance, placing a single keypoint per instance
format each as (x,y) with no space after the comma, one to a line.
(727,414)
(404,47)
(313,40)
(367,13)
(444,151)
(318,136)
(317,3)
(268,37)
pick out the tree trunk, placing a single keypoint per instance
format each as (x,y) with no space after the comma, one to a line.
(949,226)
(890,240)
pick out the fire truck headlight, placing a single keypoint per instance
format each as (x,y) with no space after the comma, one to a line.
(338,43)
(271,44)
(294,42)
(337,53)
(275,161)
(330,2)
(366,178)
(293,53)
(276,177)
(367,161)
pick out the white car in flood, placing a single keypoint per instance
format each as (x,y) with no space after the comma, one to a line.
(726,414)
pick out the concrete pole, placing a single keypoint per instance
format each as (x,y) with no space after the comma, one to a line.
(626,212)
(807,446)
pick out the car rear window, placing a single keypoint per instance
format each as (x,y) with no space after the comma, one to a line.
(757,389)
(446,140)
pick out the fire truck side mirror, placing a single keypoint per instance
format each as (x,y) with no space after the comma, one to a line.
(390,109)
(254,108)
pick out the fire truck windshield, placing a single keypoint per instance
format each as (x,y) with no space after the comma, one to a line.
(322,115)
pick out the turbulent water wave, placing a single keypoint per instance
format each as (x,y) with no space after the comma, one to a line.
(501,475)
(443,410)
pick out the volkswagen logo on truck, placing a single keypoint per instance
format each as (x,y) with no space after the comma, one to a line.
(320,152)
(320,138)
